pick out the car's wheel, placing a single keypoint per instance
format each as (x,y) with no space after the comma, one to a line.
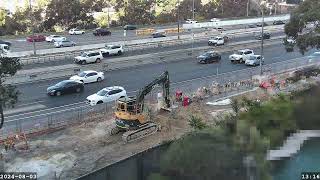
(78,90)
(107,54)
(58,93)
(73,44)
(83,62)
(241,60)
(82,81)
(53,40)
(98,60)
(99,79)
(99,102)
(82,32)
(119,52)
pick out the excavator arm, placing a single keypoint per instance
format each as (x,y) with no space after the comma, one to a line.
(163,79)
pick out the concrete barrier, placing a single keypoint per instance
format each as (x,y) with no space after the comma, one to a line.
(236,22)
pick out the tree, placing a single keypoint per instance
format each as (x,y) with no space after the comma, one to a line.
(203,155)
(2,17)
(8,93)
(303,25)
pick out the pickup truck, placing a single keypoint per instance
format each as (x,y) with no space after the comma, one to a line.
(241,56)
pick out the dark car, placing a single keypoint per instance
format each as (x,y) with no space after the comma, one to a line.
(260,24)
(65,87)
(36,38)
(129,27)
(209,57)
(101,32)
(252,26)
(5,42)
(278,22)
(265,36)
(157,35)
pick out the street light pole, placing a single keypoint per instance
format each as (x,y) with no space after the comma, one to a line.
(262,38)
(33,42)
(192,25)
(178,14)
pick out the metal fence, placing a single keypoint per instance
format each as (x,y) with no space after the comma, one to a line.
(230,83)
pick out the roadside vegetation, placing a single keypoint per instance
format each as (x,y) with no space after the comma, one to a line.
(59,15)
(223,150)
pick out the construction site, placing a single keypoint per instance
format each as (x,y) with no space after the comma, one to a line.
(73,151)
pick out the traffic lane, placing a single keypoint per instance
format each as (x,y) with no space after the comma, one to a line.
(203,43)
(135,78)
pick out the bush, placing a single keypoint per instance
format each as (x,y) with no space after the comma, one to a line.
(196,122)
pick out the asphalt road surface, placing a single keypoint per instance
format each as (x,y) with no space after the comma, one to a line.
(64,61)
(132,79)
(88,38)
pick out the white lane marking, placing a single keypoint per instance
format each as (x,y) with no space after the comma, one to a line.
(20,40)
(27,104)
(27,108)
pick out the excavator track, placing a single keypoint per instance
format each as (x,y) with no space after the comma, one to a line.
(144,130)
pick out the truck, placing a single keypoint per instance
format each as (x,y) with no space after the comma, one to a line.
(241,56)
(4,50)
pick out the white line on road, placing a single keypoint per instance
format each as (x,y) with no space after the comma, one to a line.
(27,104)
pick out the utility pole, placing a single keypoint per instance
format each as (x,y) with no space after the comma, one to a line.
(262,35)
(108,16)
(248,8)
(32,22)
(192,26)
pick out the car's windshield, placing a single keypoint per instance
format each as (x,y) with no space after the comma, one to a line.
(108,47)
(60,84)
(207,54)
(239,52)
(82,74)
(84,54)
(102,92)
(316,54)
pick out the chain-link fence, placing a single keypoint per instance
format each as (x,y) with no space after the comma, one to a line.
(215,87)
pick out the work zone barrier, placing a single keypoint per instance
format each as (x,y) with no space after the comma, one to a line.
(173,30)
(143,32)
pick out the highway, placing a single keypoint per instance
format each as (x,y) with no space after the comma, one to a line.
(21,44)
(33,96)
(64,61)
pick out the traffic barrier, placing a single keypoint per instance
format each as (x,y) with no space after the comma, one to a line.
(173,30)
(143,32)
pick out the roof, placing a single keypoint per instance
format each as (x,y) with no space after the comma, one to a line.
(89,71)
(113,87)
(245,50)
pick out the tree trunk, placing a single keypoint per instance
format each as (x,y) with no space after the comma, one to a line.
(2,116)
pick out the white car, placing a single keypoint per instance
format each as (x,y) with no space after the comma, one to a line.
(215,20)
(216,41)
(54,38)
(191,21)
(88,77)
(111,50)
(89,57)
(75,31)
(107,94)
(254,60)
(241,55)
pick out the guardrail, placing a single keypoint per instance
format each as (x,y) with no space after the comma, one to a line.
(139,46)
(60,117)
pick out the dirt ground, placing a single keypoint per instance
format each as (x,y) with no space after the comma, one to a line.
(75,151)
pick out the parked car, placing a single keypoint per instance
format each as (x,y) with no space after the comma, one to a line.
(157,35)
(64,43)
(191,21)
(215,20)
(36,38)
(260,24)
(218,40)
(5,42)
(75,31)
(314,56)
(65,87)
(107,94)
(265,36)
(209,57)
(254,60)
(89,57)
(130,27)
(101,32)
(111,50)
(241,56)
(54,38)
(88,76)
(279,22)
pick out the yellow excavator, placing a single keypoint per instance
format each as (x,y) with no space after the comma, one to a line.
(131,117)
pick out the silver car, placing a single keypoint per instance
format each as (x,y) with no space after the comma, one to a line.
(254,60)
(64,43)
